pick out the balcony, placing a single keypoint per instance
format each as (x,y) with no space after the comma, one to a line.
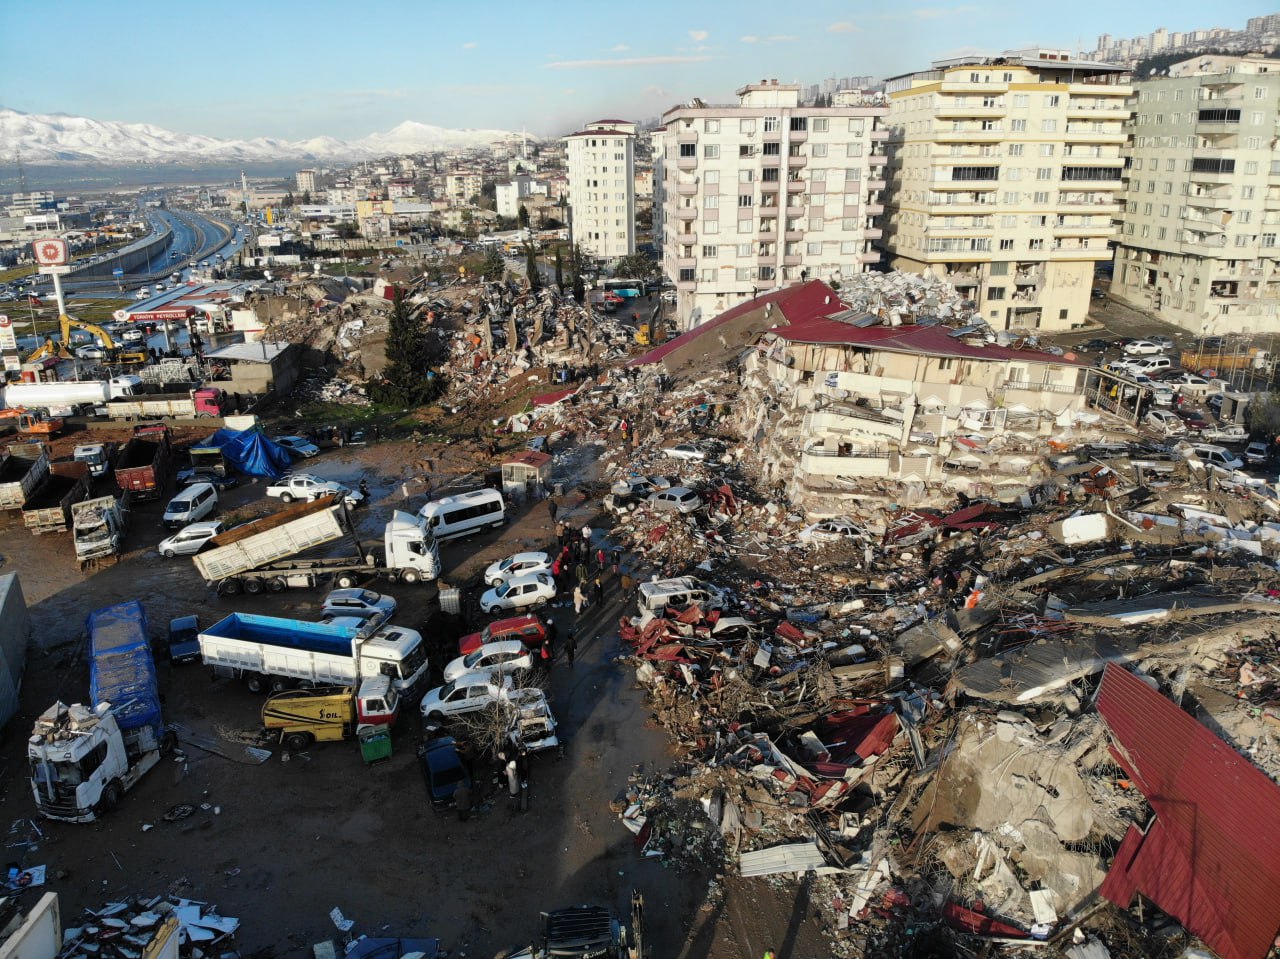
(847,460)
(872,233)
(878,135)
(1080,229)
(686,163)
(793,236)
(796,186)
(1215,201)
(1116,137)
(968,136)
(950,110)
(877,159)
(686,189)
(1217,127)
(771,160)
(873,256)
(686,262)
(767,259)
(797,162)
(771,136)
(689,135)
(792,259)
(686,286)
(799,136)
(686,213)
(1083,111)
(686,239)
(1214,176)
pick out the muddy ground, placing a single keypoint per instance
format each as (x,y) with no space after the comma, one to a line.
(278,845)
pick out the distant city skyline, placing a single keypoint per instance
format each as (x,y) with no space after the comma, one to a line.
(296,71)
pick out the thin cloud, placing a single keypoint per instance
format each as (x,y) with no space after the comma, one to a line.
(620,48)
(697,36)
(937,13)
(621,62)
(777,38)
(749,39)
(470,45)
(843,26)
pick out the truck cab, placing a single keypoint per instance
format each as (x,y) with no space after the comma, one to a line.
(94,455)
(411,548)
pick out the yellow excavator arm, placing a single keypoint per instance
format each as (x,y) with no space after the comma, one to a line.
(50,348)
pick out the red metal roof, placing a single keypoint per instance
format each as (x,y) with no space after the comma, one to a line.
(1211,858)
(547,399)
(798,304)
(529,458)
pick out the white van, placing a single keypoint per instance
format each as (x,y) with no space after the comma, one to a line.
(464,513)
(194,503)
(680,591)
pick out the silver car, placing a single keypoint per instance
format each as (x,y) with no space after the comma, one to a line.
(190,539)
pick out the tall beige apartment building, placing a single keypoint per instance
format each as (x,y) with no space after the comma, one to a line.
(1005,177)
(602,191)
(1202,210)
(757,194)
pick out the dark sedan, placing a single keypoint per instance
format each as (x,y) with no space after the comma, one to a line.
(1194,420)
(443,771)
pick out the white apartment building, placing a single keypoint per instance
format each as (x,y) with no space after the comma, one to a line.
(754,195)
(1005,176)
(602,196)
(459,188)
(306,181)
(507,196)
(1202,212)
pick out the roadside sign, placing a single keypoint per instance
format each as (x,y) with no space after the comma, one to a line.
(121,316)
(7,339)
(117,272)
(13,363)
(52,252)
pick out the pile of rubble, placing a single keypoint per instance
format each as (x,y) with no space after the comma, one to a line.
(134,928)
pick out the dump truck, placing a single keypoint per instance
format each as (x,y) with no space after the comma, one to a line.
(142,466)
(49,509)
(83,759)
(198,404)
(266,554)
(1251,359)
(588,930)
(269,652)
(97,529)
(22,469)
(97,456)
(300,717)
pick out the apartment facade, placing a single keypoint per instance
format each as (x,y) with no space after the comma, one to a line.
(1005,176)
(1202,210)
(459,188)
(601,161)
(754,195)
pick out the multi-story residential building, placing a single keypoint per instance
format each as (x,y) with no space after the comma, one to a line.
(602,196)
(461,187)
(1202,211)
(508,196)
(306,181)
(752,195)
(400,189)
(1005,176)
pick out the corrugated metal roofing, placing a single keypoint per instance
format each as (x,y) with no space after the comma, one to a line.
(794,857)
(1211,858)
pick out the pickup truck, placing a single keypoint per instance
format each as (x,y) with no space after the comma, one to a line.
(305,487)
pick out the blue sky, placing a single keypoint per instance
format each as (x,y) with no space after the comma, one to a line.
(301,69)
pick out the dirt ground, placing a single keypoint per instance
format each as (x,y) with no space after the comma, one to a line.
(278,845)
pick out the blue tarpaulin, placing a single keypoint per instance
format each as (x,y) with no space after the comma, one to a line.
(252,453)
(121,670)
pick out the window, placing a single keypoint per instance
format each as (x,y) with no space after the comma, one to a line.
(815,249)
(1051,100)
(711,178)
(854,150)
(747,176)
(1268,240)
(819,149)
(817,176)
(1048,126)
(1015,173)
(1008,221)
(744,249)
(1246,193)
(974,172)
(1041,197)
(1164,209)
(711,151)
(710,126)
(1021,101)
(996,292)
(999,268)
(1259,93)
(1250,167)
(746,150)
(849,223)
(1046,149)
(1036,245)
(771,124)
(711,226)
(710,251)
(1017,126)
(1012,198)
(768,174)
(745,199)
(821,124)
(853,175)
(1015,149)
(1253,143)
(746,226)
(856,126)
(815,224)
(688,150)
(799,124)
(688,276)
(711,201)
(1218,116)
(747,125)
(1044,173)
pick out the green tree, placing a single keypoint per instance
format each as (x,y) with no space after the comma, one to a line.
(410,378)
(559,271)
(575,268)
(522,217)
(288,200)
(634,266)
(306,197)
(531,264)
(493,267)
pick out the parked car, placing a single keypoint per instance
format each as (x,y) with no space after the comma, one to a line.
(684,451)
(531,589)
(681,499)
(530,630)
(217,480)
(443,771)
(190,504)
(1093,346)
(831,531)
(507,656)
(1142,348)
(1194,420)
(1218,456)
(518,564)
(190,539)
(466,694)
(90,352)
(1256,453)
(362,603)
(184,640)
(1162,341)
(1188,383)
(1164,422)
(306,487)
(1214,402)
(297,446)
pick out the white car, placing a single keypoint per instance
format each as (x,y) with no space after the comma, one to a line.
(521,564)
(532,589)
(1256,453)
(680,499)
(1164,423)
(364,603)
(1189,383)
(133,335)
(297,445)
(632,486)
(306,487)
(190,539)
(90,352)
(685,451)
(668,296)
(507,656)
(466,694)
(1143,348)
(831,531)
(1219,456)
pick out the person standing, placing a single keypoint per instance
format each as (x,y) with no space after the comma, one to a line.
(597,590)
(546,656)
(587,532)
(552,508)
(553,632)
(579,600)
(600,556)
(571,644)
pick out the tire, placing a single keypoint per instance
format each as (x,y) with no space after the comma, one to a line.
(286,497)
(254,587)
(111,796)
(230,587)
(488,610)
(495,583)
(256,683)
(168,554)
(345,581)
(297,742)
(410,576)
(275,585)
(168,742)
(306,684)
(435,716)
(279,684)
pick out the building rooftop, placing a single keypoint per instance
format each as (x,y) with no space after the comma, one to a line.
(259,352)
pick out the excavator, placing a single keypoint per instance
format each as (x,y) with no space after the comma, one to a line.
(32,422)
(59,348)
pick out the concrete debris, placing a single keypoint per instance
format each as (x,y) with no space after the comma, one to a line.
(133,928)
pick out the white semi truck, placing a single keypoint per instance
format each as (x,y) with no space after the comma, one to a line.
(266,554)
(63,396)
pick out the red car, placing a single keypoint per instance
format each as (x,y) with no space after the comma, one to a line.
(529,629)
(1194,420)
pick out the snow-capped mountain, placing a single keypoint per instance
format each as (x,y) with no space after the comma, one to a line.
(58,138)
